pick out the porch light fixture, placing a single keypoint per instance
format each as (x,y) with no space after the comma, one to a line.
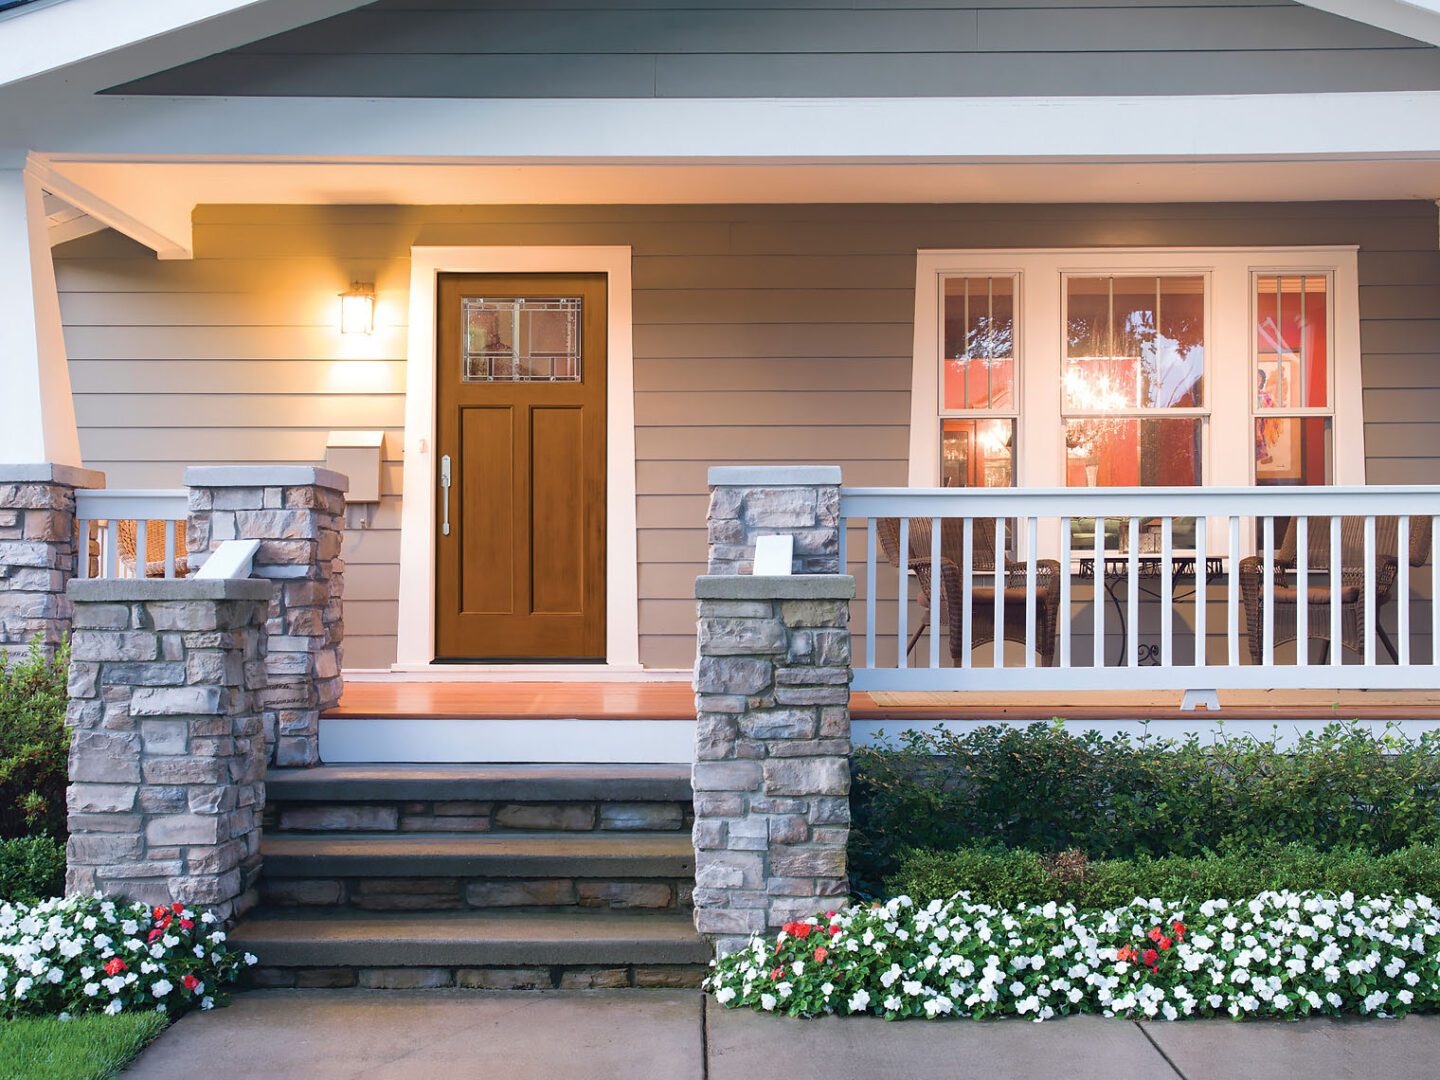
(357,309)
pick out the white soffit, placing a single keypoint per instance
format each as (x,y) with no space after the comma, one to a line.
(129,185)
(1418,19)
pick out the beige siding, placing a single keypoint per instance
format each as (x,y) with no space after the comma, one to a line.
(763,334)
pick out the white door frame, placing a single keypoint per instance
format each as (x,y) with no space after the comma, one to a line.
(415,646)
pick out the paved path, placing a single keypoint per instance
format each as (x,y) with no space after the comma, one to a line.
(673,1035)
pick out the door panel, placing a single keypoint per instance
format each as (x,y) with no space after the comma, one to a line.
(521,412)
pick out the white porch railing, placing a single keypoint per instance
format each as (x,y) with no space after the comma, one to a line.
(137,533)
(1234,575)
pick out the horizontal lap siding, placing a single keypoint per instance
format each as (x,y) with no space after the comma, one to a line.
(784,48)
(763,334)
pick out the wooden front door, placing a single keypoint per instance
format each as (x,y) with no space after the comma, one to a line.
(520,561)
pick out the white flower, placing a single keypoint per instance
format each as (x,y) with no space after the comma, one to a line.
(859,1000)
(114,1007)
(724,996)
(161,987)
(767,1001)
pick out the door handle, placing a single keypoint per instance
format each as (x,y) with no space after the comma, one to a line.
(445,494)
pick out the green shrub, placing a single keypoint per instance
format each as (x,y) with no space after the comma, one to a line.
(1047,789)
(34,744)
(1014,878)
(31,868)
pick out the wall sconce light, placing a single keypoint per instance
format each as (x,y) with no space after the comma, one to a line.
(357,309)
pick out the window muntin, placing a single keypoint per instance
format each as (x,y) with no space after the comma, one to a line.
(1291,377)
(979,343)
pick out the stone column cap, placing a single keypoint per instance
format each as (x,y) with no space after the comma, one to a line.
(779,587)
(773,475)
(254,476)
(125,590)
(48,472)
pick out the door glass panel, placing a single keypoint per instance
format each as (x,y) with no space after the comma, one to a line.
(521,340)
(979,343)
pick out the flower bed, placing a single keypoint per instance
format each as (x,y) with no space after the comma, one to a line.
(89,954)
(1280,954)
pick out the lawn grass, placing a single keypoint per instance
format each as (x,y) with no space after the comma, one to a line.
(86,1048)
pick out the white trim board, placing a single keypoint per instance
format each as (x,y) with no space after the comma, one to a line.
(415,645)
(524,740)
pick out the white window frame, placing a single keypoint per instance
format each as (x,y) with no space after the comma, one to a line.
(1012,411)
(1228,455)
(1332,382)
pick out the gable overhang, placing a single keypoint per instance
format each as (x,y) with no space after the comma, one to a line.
(1418,19)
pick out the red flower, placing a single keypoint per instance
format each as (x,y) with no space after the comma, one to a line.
(820,954)
(1125,953)
(161,913)
(1165,943)
(829,914)
(802,930)
(154,934)
(1179,928)
(834,930)
(190,982)
(775,973)
(1154,934)
(1151,957)
(186,924)
(114,966)
(178,908)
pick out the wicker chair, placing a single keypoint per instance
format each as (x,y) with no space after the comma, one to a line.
(154,549)
(982,591)
(1352,581)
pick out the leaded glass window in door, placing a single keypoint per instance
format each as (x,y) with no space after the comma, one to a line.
(525,339)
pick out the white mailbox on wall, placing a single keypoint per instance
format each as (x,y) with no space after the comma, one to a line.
(357,455)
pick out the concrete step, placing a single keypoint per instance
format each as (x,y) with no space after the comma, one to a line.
(476,855)
(510,950)
(480,783)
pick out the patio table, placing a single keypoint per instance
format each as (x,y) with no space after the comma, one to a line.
(1149,567)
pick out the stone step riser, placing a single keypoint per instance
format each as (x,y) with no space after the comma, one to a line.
(563,977)
(475,816)
(477,893)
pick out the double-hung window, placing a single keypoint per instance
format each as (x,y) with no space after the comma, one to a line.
(1150,367)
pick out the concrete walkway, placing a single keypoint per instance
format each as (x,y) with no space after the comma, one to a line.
(675,1035)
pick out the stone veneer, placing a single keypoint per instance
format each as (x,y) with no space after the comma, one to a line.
(772,751)
(297,512)
(167,756)
(749,501)
(37,551)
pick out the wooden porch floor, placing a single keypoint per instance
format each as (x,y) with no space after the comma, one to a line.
(400,699)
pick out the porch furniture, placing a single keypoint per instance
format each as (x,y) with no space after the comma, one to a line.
(154,562)
(1149,568)
(982,590)
(1318,598)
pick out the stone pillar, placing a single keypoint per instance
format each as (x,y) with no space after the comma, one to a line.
(751,501)
(37,551)
(167,756)
(297,512)
(772,751)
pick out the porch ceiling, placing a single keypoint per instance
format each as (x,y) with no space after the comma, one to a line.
(157,195)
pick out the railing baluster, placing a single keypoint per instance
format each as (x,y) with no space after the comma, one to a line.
(112,548)
(935,591)
(1369,626)
(1132,594)
(902,616)
(1435,590)
(1031,554)
(967,615)
(1267,603)
(1202,592)
(170,527)
(1402,600)
(1167,601)
(1064,592)
(999,606)
(1336,647)
(142,548)
(1302,590)
(82,549)
(870,592)
(1232,612)
(1098,604)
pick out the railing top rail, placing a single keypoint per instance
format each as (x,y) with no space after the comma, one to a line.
(133,503)
(1142,502)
